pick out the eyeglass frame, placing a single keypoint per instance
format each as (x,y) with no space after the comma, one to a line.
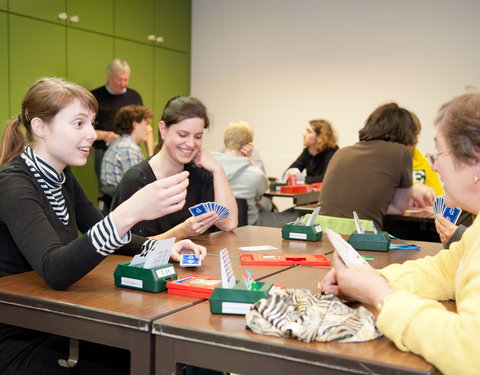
(433,157)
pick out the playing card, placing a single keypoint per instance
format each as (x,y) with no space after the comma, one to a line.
(198,209)
(201,208)
(439,205)
(347,253)
(189,260)
(452,214)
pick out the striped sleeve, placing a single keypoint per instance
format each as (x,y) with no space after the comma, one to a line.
(105,238)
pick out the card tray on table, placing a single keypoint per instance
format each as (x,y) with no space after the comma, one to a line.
(379,241)
(237,300)
(149,279)
(304,232)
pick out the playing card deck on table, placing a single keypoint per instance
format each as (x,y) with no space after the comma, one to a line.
(451,214)
(205,207)
(189,260)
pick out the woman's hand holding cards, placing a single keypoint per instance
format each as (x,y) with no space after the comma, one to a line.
(187,247)
(196,225)
(445,228)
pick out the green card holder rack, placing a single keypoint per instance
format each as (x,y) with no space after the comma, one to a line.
(237,300)
(379,241)
(148,279)
(291,231)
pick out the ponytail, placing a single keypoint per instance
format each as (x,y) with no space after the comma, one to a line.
(13,141)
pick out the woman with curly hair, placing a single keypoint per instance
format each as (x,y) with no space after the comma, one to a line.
(320,143)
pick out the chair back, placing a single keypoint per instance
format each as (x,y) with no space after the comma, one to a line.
(242,212)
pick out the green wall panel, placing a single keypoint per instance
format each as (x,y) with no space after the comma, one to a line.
(88,55)
(47,10)
(4,84)
(134,19)
(140,59)
(37,49)
(94,15)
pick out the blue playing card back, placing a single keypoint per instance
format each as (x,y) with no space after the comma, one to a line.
(189,260)
(452,214)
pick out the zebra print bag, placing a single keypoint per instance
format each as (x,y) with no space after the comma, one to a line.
(307,316)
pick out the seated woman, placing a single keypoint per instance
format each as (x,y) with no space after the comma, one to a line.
(374,176)
(406,295)
(320,143)
(181,129)
(43,207)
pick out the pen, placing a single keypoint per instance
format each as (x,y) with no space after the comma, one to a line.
(248,286)
(253,283)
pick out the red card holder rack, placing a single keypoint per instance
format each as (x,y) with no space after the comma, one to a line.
(284,259)
(193,286)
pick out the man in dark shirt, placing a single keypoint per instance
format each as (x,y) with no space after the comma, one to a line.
(111,97)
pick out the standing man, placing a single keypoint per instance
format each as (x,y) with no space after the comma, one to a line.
(111,97)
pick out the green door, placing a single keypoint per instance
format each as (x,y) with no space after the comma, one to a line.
(172,76)
(93,15)
(172,22)
(37,49)
(87,58)
(4,97)
(140,58)
(134,19)
(41,9)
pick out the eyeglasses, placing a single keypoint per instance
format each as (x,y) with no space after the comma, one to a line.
(432,158)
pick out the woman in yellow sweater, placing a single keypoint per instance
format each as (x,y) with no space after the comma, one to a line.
(406,296)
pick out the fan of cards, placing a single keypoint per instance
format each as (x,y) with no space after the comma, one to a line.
(440,208)
(203,208)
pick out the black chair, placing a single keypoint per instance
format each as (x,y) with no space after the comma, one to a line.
(242,212)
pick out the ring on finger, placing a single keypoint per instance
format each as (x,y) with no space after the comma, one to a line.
(201,224)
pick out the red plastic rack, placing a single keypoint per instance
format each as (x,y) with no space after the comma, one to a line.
(193,286)
(284,260)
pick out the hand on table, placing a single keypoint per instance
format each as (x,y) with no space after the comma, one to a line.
(360,283)
(187,247)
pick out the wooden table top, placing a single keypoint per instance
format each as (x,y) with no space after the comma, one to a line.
(197,323)
(94,296)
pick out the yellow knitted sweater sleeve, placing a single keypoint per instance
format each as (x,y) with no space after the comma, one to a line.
(415,321)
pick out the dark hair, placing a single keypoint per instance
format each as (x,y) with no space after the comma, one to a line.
(326,136)
(459,122)
(126,116)
(391,123)
(44,99)
(180,108)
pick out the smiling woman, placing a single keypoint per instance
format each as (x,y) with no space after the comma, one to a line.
(43,208)
(181,129)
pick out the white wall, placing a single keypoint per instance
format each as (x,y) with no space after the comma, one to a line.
(279,63)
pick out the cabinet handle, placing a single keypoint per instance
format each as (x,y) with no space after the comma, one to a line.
(160,39)
(151,37)
(74,19)
(62,16)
